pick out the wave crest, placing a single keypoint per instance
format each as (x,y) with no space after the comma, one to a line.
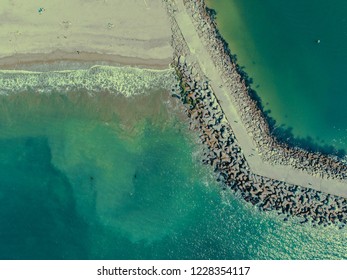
(122,80)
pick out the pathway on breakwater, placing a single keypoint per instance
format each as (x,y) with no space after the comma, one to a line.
(199,54)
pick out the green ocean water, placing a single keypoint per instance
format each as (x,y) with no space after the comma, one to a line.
(108,177)
(302,84)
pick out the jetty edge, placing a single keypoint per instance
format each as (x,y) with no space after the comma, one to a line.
(272,176)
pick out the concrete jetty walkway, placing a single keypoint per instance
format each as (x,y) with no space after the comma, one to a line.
(200,55)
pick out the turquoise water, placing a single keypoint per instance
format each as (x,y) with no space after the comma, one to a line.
(110,177)
(301,83)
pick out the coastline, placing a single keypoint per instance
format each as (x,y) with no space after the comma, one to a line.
(125,80)
(27,60)
(238,145)
(132,37)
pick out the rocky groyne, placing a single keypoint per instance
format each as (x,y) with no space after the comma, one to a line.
(254,120)
(222,150)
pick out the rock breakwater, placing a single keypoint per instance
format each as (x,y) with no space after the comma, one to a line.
(224,153)
(253,118)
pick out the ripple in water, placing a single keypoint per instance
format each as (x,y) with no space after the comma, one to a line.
(111,177)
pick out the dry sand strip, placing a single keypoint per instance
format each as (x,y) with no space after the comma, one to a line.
(288,174)
(132,32)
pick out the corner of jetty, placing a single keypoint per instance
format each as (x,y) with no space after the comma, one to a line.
(223,151)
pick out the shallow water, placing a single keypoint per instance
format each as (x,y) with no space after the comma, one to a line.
(105,176)
(301,83)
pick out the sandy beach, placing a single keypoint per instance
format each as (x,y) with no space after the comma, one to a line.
(126,32)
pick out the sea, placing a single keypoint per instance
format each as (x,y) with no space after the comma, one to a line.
(294,55)
(91,170)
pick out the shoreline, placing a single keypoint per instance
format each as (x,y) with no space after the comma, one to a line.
(210,85)
(125,80)
(232,128)
(26,61)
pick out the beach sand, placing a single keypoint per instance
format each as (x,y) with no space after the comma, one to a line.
(135,32)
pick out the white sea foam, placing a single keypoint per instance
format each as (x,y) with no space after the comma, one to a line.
(122,80)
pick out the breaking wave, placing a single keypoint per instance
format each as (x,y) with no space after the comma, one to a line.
(122,80)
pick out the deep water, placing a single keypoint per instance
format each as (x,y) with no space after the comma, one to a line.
(110,177)
(301,83)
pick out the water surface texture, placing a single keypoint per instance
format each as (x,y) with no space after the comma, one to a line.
(301,83)
(104,176)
